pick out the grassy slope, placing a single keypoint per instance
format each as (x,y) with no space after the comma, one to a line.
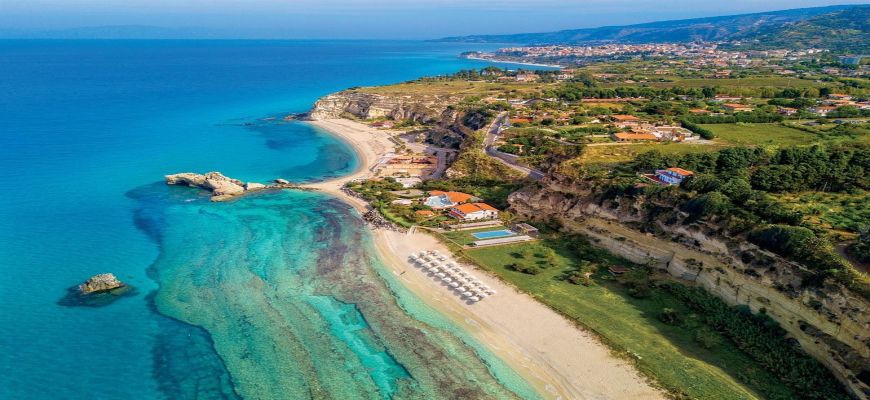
(613,154)
(629,325)
(761,134)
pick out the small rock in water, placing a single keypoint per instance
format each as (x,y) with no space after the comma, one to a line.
(100,290)
(100,283)
(282,181)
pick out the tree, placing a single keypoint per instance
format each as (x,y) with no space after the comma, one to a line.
(702,183)
(737,189)
(709,204)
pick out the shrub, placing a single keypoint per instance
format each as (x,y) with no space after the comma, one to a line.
(526,269)
(670,316)
(707,338)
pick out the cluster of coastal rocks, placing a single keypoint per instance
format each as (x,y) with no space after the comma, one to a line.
(377,221)
(223,188)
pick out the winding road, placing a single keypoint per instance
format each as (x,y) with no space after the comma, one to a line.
(507,159)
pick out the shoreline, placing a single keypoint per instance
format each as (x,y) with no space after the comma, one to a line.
(557,358)
(516,62)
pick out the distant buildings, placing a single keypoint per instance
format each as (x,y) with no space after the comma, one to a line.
(673,175)
(787,111)
(821,111)
(735,107)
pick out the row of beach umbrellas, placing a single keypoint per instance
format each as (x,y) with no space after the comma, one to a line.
(456,277)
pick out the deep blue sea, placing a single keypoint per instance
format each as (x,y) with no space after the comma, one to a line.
(272,296)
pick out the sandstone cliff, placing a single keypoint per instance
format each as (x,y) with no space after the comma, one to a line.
(831,323)
(446,125)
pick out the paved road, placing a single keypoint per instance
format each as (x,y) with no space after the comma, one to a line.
(507,159)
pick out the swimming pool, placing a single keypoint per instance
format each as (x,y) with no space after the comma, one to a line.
(493,234)
(438,202)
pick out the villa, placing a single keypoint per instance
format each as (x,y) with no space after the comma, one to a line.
(673,175)
(473,211)
(438,199)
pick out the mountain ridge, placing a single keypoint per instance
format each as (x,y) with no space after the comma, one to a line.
(685,30)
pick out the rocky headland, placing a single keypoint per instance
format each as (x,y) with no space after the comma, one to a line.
(222,187)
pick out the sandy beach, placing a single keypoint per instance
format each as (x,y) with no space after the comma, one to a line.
(559,359)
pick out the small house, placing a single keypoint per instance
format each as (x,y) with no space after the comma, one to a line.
(425,213)
(673,175)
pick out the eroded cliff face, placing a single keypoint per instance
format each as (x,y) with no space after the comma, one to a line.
(831,323)
(447,126)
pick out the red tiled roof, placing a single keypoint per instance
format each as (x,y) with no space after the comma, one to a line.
(467,208)
(484,206)
(681,171)
(455,197)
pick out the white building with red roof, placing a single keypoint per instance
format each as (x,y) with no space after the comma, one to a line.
(473,211)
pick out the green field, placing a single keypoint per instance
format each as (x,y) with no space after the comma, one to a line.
(620,153)
(669,354)
(760,134)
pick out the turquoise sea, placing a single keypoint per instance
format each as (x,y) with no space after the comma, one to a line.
(273,296)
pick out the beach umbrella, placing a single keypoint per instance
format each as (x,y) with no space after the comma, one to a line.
(490,292)
(452,284)
(474,298)
(466,294)
(440,275)
(447,279)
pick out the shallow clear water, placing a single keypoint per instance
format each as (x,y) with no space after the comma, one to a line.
(272,296)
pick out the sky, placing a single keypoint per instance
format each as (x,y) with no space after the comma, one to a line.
(377,19)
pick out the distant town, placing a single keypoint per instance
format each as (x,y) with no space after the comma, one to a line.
(698,55)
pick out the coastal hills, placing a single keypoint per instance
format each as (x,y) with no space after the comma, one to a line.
(823,24)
